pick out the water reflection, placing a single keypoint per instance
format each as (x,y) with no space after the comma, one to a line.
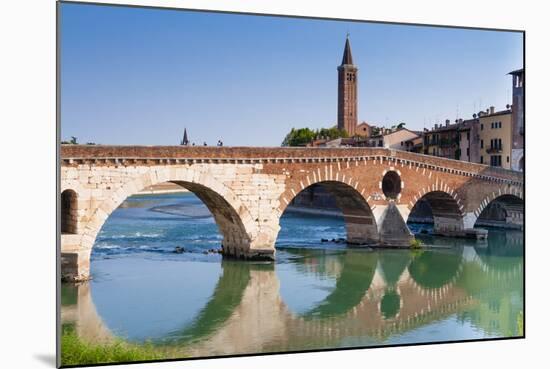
(350,298)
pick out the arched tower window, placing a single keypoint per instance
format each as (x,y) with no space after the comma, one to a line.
(68,212)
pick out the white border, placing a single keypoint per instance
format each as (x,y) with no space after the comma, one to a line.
(28,181)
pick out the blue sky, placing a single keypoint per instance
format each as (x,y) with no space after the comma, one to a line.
(140,76)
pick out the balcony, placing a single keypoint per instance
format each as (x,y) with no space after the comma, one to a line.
(494,150)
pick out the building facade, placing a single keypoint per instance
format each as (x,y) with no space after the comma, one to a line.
(518,119)
(364,130)
(347,92)
(393,139)
(443,140)
(485,139)
(495,133)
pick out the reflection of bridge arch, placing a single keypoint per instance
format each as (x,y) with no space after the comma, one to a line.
(351,286)
(501,257)
(257,311)
(433,270)
(360,222)
(79,312)
(227,295)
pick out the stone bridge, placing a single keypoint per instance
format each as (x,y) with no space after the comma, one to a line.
(248,189)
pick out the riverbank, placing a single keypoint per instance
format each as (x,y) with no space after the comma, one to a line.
(75,351)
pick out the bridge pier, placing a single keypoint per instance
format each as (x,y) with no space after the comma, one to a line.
(261,247)
(393,229)
(75,265)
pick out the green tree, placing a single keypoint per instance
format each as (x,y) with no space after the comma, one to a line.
(401,125)
(332,133)
(299,137)
(303,136)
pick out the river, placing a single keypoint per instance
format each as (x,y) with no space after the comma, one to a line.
(317,295)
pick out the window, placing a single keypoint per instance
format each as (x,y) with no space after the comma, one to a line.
(500,144)
(468,136)
(481,126)
(499,124)
(492,125)
(507,159)
(481,144)
(380,143)
(481,159)
(68,212)
(468,152)
(401,143)
(496,160)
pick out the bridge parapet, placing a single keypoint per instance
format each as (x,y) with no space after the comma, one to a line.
(154,155)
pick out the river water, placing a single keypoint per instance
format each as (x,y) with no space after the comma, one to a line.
(317,295)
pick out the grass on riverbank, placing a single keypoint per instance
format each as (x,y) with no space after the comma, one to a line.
(74,351)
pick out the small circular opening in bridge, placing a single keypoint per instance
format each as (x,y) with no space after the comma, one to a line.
(391,184)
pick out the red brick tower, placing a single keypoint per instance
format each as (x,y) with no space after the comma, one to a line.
(347,92)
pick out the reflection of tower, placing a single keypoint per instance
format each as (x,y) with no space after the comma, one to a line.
(347,92)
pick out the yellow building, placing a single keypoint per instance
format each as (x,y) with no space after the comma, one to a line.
(495,134)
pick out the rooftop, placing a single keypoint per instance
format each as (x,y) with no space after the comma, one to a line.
(517,72)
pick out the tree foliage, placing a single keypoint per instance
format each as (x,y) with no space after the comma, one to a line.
(304,136)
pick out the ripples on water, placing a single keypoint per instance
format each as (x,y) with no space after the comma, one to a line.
(317,294)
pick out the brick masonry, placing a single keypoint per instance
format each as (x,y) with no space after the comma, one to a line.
(248,189)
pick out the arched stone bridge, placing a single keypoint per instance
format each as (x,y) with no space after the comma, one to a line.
(248,189)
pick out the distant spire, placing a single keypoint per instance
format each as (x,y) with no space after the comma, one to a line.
(185,140)
(347,59)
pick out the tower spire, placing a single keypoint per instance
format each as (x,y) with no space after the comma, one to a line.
(347,58)
(185,140)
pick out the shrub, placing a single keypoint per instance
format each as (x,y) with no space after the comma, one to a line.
(416,244)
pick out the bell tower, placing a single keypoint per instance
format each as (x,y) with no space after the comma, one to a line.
(347,92)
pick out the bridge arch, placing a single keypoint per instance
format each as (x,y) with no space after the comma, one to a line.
(231,215)
(361,227)
(503,208)
(442,207)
